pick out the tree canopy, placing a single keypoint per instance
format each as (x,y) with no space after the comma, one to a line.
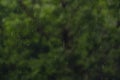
(59,39)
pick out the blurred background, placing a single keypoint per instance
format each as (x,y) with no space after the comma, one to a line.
(59,40)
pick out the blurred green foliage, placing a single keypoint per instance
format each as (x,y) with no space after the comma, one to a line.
(59,40)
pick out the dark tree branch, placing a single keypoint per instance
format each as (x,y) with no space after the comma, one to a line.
(63,3)
(24,8)
(118,24)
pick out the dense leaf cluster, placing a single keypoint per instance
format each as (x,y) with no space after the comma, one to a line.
(59,40)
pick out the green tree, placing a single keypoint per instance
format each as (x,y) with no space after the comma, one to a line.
(59,40)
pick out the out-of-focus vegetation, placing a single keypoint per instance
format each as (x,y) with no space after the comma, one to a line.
(59,39)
